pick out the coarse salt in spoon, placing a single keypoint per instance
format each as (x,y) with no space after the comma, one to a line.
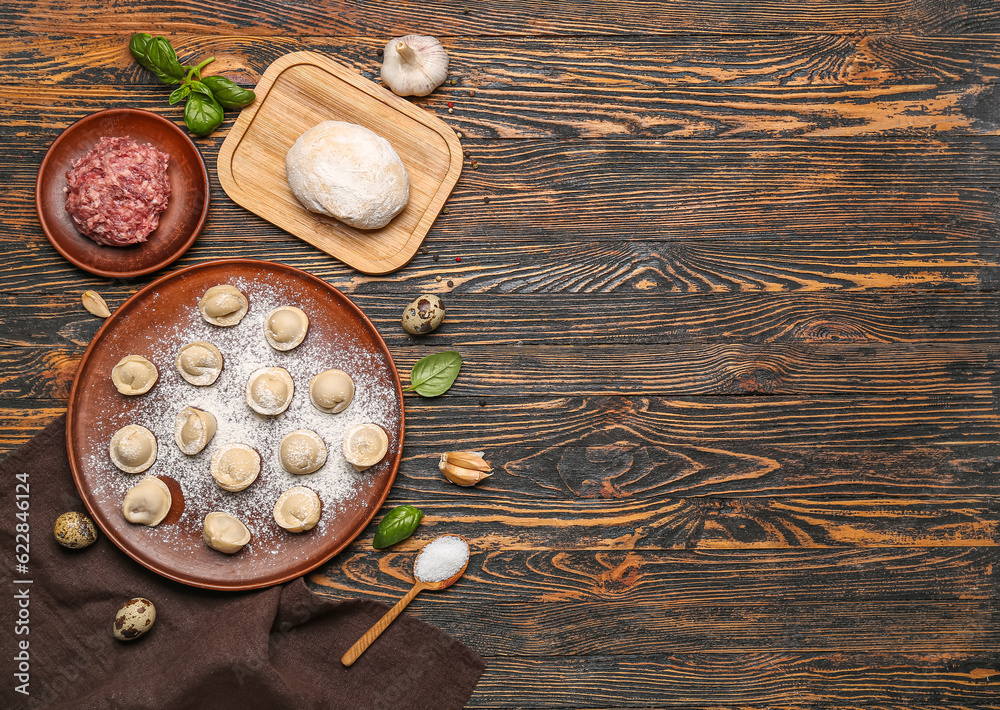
(438,565)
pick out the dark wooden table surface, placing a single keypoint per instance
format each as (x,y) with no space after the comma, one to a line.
(728,304)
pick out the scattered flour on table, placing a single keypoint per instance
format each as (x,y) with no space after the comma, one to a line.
(245,350)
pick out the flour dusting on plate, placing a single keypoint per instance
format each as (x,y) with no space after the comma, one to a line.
(245,350)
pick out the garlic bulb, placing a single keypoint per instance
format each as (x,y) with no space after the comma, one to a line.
(414,65)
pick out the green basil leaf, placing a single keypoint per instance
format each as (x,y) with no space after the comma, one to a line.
(202,114)
(156,55)
(138,45)
(163,60)
(199,88)
(179,93)
(228,93)
(434,375)
(398,524)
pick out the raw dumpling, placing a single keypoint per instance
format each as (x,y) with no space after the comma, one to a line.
(134,375)
(331,391)
(365,445)
(236,466)
(147,502)
(302,451)
(224,532)
(133,448)
(298,509)
(193,429)
(199,363)
(269,390)
(223,305)
(285,327)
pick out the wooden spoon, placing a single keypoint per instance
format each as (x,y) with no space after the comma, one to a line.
(382,624)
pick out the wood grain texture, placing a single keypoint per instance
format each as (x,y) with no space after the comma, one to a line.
(678,370)
(576,603)
(650,316)
(728,301)
(506,65)
(450,17)
(679,580)
(681,112)
(898,680)
(762,232)
(557,451)
(528,266)
(855,192)
(583,629)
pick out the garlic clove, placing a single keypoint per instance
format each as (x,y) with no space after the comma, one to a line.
(466,459)
(414,65)
(464,468)
(462,476)
(93,302)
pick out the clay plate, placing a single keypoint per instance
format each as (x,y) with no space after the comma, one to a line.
(179,223)
(148,323)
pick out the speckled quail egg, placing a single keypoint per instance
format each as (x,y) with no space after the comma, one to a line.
(423,315)
(75,531)
(135,618)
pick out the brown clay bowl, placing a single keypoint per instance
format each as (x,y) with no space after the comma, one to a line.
(152,323)
(179,224)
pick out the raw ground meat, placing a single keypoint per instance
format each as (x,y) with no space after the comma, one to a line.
(117,191)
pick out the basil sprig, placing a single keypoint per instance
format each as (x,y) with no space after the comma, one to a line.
(434,375)
(397,525)
(206,97)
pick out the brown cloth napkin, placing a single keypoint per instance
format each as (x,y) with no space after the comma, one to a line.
(273,648)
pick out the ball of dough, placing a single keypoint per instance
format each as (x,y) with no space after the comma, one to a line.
(348,172)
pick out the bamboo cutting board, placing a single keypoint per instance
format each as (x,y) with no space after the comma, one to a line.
(302,89)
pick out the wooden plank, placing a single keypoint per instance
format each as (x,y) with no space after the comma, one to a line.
(862,195)
(935,237)
(647,626)
(708,523)
(32,320)
(536,266)
(563,450)
(680,112)
(680,581)
(672,369)
(454,17)
(888,423)
(899,680)
(625,65)
(521,522)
